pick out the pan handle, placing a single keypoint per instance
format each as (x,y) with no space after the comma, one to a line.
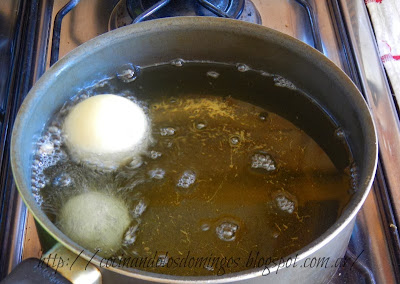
(58,265)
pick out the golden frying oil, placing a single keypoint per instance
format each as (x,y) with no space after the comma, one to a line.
(225,178)
(233,208)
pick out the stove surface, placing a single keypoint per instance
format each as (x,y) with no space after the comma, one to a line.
(320,24)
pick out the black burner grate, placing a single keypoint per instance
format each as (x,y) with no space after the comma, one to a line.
(139,9)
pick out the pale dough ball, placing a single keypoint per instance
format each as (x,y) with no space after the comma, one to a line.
(95,220)
(106,130)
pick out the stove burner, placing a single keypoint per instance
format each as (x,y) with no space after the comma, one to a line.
(134,11)
(222,8)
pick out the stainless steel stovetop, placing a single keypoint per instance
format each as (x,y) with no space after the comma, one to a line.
(339,28)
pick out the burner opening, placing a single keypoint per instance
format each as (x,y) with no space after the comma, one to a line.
(165,8)
(133,11)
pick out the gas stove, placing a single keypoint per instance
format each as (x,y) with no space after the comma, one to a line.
(42,31)
(127,12)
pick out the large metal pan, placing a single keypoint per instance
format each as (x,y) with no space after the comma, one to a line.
(218,40)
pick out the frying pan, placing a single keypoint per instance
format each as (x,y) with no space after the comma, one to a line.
(211,39)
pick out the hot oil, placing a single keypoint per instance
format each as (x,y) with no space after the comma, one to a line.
(242,164)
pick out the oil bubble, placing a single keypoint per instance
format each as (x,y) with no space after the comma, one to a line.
(130,234)
(282,82)
(167,131)
(154,154)
(55,130)
(39,199)
(353,173)
(339,132)
(205,227)
(48,154)
(40,184)
(129,238)
(60,155)
(136,162)
(200,125)
(226,231)
(46,148)
(157,173)
(213,74)
(162,260)
(187,179)
(139,208)
(177,62)
(62,180)
(35,190)
(57,142)
(263,116)
(242,67)
(286,202)
(264,161)
(128,73)
(234,140)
